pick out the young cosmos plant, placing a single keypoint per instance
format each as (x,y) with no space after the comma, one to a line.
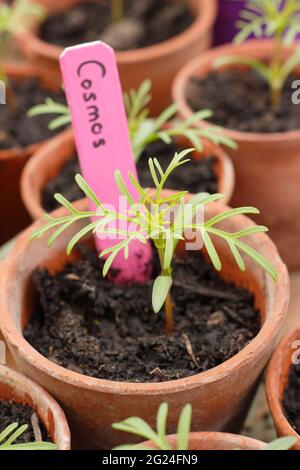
(9,436)
(144,130)
(158,438)
(16,19)
(279,19)
(163,219)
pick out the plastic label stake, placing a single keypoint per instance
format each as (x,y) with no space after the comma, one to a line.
(95,99)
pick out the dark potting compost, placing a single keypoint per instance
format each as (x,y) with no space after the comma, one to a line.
(12,412)
(291,398)
(16,128)
(197,176)
(89,325)
(240,100)
(146,22)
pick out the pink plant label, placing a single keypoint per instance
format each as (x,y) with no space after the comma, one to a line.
(95,99)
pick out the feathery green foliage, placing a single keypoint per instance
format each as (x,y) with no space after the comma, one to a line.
(11,434)
(269,18)
(14,19)
(141,428)
(144,130)
(164,220)
(158,438)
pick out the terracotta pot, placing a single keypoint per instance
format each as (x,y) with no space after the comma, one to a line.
(220,397)
(276,382)
(217,441)
(159,62)
(16,387)
(12,162)
(47,162)
(267,166)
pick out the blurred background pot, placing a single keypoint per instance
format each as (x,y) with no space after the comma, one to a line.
(47,162)
(267,166)
(159,62)
(12,162)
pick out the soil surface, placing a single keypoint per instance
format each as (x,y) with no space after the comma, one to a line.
(195,176)
(16,128)
(146,22)
(291,398)
(92,326)
(11,412)
(241,101)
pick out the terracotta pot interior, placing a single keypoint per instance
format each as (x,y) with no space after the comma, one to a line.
(10,390)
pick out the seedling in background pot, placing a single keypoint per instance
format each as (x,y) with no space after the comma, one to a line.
(143,129)
(164,220)
(159,438)
(13,432)
(14,19)
(279,19)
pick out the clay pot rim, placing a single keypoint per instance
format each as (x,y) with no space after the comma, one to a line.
(219,437)
(226,181)
(274,378)
(270,328)
(261,47)
(43,399)
(22,70)
(206,12)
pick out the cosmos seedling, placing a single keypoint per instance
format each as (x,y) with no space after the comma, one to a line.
(158,438)
(11,434)
(141,428)
(279,19)
(163,219)
(14,19)
(144,130)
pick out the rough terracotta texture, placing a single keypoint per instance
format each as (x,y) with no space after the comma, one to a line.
(267,166)
(12,163)
(159,62)
(218,441)
(220,397)
(276,382)
(16,387)
(48,161)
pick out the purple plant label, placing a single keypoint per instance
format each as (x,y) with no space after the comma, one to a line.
(95,99)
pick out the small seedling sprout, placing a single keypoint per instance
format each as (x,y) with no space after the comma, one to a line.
(141,428)
(153,219)
(143,129)
(16,19)
(279,19)
(159,438)
(11,434)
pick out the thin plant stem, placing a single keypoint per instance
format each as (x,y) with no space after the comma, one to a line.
(169,315)
(117,10)
(276,89)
